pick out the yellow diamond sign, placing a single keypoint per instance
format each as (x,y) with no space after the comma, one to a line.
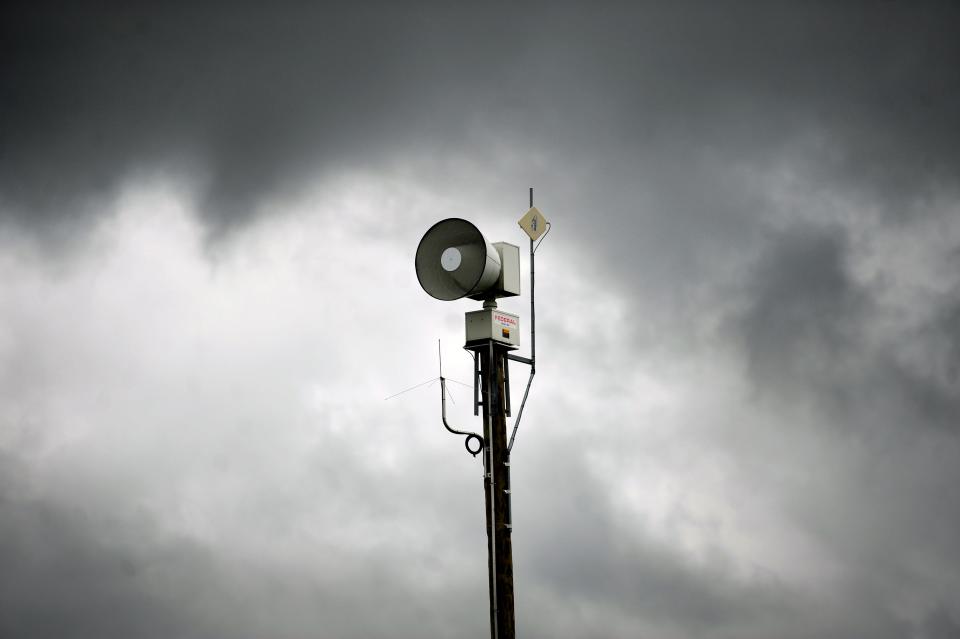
(533,223)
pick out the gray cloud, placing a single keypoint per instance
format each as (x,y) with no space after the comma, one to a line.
(876,448)
(251,97)
(809,326)
(83,565)
(805,313)
(745,420)
(70,569)
(595,564)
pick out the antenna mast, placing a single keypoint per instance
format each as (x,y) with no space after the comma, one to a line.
(454,260)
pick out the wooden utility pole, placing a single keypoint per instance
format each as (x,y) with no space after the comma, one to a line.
(496,483)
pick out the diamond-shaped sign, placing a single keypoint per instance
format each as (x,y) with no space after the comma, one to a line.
(533,223)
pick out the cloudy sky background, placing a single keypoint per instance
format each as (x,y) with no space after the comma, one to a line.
(744,422)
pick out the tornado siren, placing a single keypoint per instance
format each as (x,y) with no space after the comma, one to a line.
(454,260)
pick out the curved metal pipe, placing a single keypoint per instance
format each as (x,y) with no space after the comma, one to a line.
(443,414)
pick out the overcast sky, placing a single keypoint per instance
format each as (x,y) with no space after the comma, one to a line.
(745,419)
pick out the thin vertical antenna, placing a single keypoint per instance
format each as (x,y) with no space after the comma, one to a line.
(440,358)
(533,317)
(533,341)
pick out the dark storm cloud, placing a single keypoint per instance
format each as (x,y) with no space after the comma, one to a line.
(581,549)
(940,624)
(75,564)
(819,340)
(811,329)
(66,572)
(251,97)
(248,99)
(805,312)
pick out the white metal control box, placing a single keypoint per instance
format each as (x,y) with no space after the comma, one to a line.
(494,324)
